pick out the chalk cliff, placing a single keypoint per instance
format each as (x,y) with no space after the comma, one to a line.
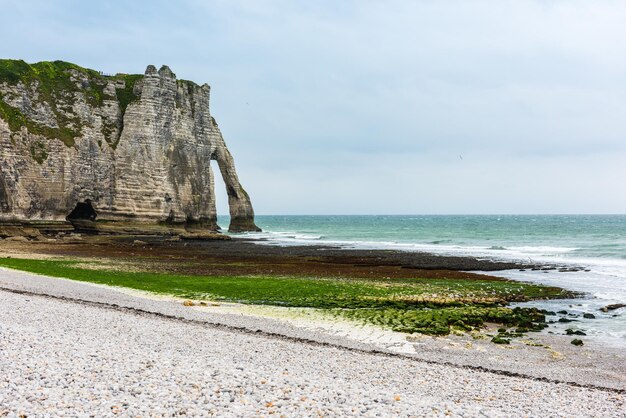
(129,148)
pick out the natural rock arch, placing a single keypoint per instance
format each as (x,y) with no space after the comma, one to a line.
(139,147)
(239,204)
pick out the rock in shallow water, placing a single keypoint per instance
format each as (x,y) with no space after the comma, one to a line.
(613,307)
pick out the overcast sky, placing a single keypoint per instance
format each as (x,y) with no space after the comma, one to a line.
(379,107)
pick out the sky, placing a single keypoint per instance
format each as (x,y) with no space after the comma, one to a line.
(379,107)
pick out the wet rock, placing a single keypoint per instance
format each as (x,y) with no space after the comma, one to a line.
(16,239)
(577,342)
(202,236)
(589,316)
(612,307)
(571,331)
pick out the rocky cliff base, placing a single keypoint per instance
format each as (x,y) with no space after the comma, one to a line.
(52,232)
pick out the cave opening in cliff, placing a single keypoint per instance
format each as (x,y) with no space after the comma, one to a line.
(83,211)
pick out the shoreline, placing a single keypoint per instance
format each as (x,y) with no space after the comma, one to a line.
(160,354)
(543,357)
(241,247)
(144,357)
(244,257)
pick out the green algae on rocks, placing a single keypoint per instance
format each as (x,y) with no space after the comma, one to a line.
(444,320)
(426,306)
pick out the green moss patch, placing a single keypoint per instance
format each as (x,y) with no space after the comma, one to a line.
(426,306)
(54,84)
(16,120)
(125,96)
(12,116)
(443,320)
(39,152)
(52,81)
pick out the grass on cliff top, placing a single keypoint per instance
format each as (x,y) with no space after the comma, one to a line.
(409,305)
(53,81)
(14,71)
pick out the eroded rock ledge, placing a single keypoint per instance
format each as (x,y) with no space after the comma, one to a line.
(79,145)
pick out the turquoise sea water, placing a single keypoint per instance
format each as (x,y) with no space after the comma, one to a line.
(595,242)
(571,236)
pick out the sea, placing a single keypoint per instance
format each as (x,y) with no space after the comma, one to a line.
(595,243)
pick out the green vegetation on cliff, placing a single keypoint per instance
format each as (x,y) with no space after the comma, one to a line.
(52,74)
(125,96)
(57,85)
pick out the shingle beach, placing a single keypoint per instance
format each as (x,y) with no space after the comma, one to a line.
(65,352)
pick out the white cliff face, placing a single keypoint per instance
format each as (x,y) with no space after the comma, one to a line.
(138,149)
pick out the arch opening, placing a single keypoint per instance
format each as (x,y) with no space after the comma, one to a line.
(222,208)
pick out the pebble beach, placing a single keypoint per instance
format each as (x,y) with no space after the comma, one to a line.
(76,349)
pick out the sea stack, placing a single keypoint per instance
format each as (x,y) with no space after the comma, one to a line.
(76,144)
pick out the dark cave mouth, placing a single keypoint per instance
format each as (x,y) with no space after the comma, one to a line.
(83,211)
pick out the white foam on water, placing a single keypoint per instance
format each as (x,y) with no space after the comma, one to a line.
(282,238)
(520,253)
(600,290)
(604,283)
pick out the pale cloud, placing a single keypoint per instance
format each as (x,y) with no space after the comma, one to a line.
(366,106)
